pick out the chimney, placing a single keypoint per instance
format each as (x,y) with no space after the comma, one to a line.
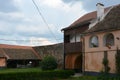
(100,11)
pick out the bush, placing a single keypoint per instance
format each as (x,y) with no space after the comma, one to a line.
(48,63)
(36,75)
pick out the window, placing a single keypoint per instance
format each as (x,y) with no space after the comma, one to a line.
(78,36)
(75,38)
(108,40)
(72,38)
(93,41)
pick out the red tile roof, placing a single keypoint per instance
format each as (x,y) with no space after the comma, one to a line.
(110,22)
(14,46)
(2,53)
(85,18)
(18,52)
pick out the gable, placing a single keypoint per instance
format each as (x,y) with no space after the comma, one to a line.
(110,22)
(85,19)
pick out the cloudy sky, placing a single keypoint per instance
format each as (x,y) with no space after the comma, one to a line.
(21,24)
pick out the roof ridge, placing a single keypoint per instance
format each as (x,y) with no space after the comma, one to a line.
(4,53)
(14,46)
(36,54)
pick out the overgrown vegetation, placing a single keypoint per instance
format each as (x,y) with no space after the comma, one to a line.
(48,63)
(34,74)
(104,74)
(105,63)
(117,57)
(106,67)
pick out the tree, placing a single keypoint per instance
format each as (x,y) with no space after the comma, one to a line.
(48,63)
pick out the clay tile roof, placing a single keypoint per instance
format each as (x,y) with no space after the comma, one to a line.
(85,19)
(18,52)
(1,53)
(14,46)
(110,22)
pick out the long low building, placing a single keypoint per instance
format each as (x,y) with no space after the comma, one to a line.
(18,56)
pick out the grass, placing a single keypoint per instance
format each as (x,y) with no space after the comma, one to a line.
(33,74)
(82,78)
(11,70)
(91,78)
(4,71)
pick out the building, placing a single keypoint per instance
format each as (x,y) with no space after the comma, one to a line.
(13,56)
(102,40)
(90,38)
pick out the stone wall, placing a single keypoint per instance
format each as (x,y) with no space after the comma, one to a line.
(55,50)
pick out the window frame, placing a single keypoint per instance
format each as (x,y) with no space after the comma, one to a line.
(90,41)
(106,39)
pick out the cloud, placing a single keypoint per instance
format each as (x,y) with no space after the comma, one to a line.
(23,29)
(52,3)
(89,5)
(27,23)
(55,4)
(61,13)
(26,41)
(6,28)
(9,22)
(13,17)
(69,1)
(7,6)
(40,41)
(17,27)
(62,5)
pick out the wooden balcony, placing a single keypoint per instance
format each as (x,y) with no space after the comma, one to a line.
(73,47)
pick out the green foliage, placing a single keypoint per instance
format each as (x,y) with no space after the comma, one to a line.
(104,74)
(36,75)
(92,78)
(117,56)
(11,70)
(108,78)
(48,63)
(105,63)
(106,67)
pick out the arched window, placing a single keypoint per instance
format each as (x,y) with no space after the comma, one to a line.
(109,39)
(93,41)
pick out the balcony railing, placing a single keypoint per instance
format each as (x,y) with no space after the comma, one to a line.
(73,47)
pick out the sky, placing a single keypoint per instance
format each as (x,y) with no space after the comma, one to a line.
(21,23)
